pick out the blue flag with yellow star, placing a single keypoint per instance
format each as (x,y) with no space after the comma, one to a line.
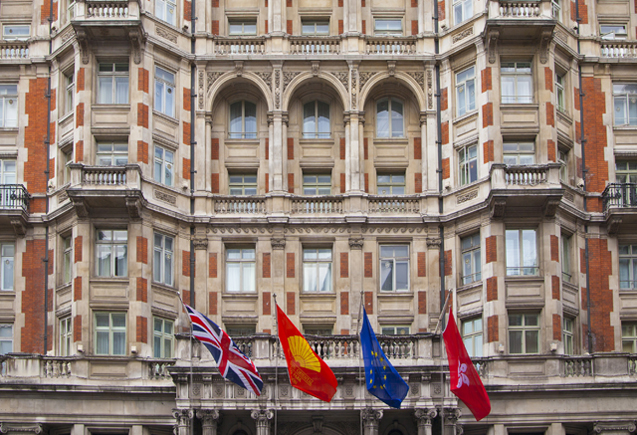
(382,379)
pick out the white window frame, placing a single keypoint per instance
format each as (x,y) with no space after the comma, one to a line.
(66,159)
(15,32)
(521,74)
(566,249)
(395,330)
(390,133)
(163,338)
(246,26)
(472,335)
(69,91)
(318,131)
(390,184)
(165,94)
(470,247)
(568,335)
(625,98)
(6,338)
(383,27)
(245,260)
(234,133)
(8,106)
(468,164)
(562,159)
(317,184)
(164,165)
(613,31)
(392,263)
(629,337)
(518,153)
(560,93)
(627,254)
(556,10)
(525,332)
(7,271)
(113,246)
(67,259)
(111,154)
(166,10)
(317,270)
(163,259)
(462,11)
(518,244)
(66,335)
(117,77)
(466,90)
(315,24)
(242,184)
(111,330)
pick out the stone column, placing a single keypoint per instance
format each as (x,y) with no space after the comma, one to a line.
(451,421)
(209,420)
(423,419)
(182,423)
(371,420)
(263,417)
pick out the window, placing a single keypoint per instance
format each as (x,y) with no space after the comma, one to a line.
(517,82)
(462,10)
(315,28)
(567,335)
(162,338)
(163,259)
(110,333)
(472,336)
(566,258)
(559,91)
(394,267)
(70,12)
(113,83)
(8,106)
(322,331)
(524,333)
(67,159)
(8,179)
(625,171)
(6,338)
(390,184)
(518,153)
(316,120)
(240,330)
(243,185)
(69,84)
(66,333)
(112,154)
(165,10)
(628,267)
(468,164)
(16,32)
(629,337)
(471,265)
(319,184)
(111,249)
(625,103)
(164,92)
(389,118)
(242,28)
(388,26)
(394,330)
(243,120)
(164,160)
(240,270)
(8,255)
(556,8)
(562,159)
(521,252)
(613,31)
(317,270)
(67,259)
(466,89)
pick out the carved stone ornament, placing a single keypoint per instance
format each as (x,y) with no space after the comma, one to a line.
(238,68)
(80,37)
(630,426)
(545,43)
(136,40)
(419,76)
(317,423)
(551,207)
(8,427)
(212,77)
(166,35)
(371,417)
(200,79)
(277,243)
(353,90)
(19,227)
(266,77)
(467,196)
(80,207)
(430,90)
(342,77)
(208,417)
(356,243)
(492,45)
(134,207)
(262,416)
(433,242)
(183,416)
(316,65)
(288,77)
(460,36)
(364,77)
(612,226)
(391,68)
(162,196)
(424,416)
(498,208)
(200,244)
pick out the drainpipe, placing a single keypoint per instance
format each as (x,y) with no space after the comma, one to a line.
(193,143)
(583,141)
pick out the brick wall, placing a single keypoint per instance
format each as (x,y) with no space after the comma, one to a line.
(212,265)
(267,303)
(32,335)
(601,296)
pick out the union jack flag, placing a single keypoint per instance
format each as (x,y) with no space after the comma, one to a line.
(232,363)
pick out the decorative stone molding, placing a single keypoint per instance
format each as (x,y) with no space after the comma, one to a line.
(342,77)
(430,90)
(183,416)
(316,65)
(81,38)
(288,77)
(266,77)
(545,41)
(460,36)
(466,196)
(170,199)
(492,45)
(200,83)
(371,417)
(200,244)
(137,39)
(166,35)
(424,416)
(419,76)
(601,427)
(433,242)
(364,77)
(498,207)
(238,68)
(9,427)
(208,417)
(356,243)
(212,77)
(391,68)
(262,416)
(277,243)
(134,207)
(80,207)
(19,227)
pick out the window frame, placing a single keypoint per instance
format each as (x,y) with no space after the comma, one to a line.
(469,338)
(66,335)
(473,253)
(566,250)
(468,167)
(113,75)
(247,284)
(113,245)
(66,159)
(6,338)
(397,330)
(395,262)
(562,159)
(522,151)
(627,258)
(518,73)
(315,23)
(165,166)
(464,87)
(568,335)
(556,10)
(521,268)
(69,91)
(165,91)
(560,91)
(465,12)
(114,154)
(313,266)
(616,36)
(240,185)
(390,120)
(16,38)
(10,269)
(629,336)
(9,105)
(316,185)
(163,260)
(163,336)
(388,31)
(67,259)
(243,134)
(524,329)
(393,187)
(317,120)
(627,89)
(111,329)
(163,16)
(243,22)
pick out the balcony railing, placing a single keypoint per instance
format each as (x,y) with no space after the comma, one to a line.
(239,45)
(394,204)
(14,50)
(525,175)
(315,45)
(390,46)
(104,175)
(239,205)
(519,9)
(620,195)
(107,10)
(317,205)
(578,366)
(619,49)
(14,197)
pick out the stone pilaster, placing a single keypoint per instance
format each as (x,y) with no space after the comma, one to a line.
(209,420)
(371,420)
(423,420)
(263,417)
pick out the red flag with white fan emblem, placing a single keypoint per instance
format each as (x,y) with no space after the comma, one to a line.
(465,381)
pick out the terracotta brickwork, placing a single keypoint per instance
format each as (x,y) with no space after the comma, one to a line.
(557,327)
(493,333)
(187,10)
(488,152)
(448,263)
(417,148)
(142,151)
(213,298)
(485,76)
(365,149)
(267,304)
(266,266)
(290,148)
(551,150)
(444,132)
(491,248)
(417,182)
(214,183)
(289,264)
(77,249)
(548,79)
(142,80)
(142,115)
(290,183)
(32,337)
(142,329)
(340,27)
(80,81)
(185,169)
(343,182)
(185,263)
(45,12)
(441,10)
(77,328)
(344,265)
(214,29)
(368,268)
(492,289)
(141,290)
(550,114)
(79,151)
(142,250)
(601,296)
(487,115)
(555,248)
(446,172)
(79,115)
(291,307)
(212,265)
(186,133)
(341,149)
(289,27)
(414,27)
(214,148)
(34,135)
(77,288)
(344,303)
(555,287)
(368,301)
(583,11)
(422,264)
(444,99)
(422,302)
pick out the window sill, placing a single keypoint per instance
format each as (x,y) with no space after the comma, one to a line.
(165,117)
(164,287)
(627,127)
(65,117)
(240,295)
(109,280)
(471,286)
(317,295)
(306,141)
(386,294)
(525,278)
(391,140)
(7,294)
(527,106)
(235,140)
(466,116)
(106,106)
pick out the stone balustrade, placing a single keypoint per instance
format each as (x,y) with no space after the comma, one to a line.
(14,50)
(315,45)
(107,10)
(390,46)
(619,49)
(239,46)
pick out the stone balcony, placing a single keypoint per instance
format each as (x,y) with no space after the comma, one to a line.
(619,202)
(14,207)
(12,51)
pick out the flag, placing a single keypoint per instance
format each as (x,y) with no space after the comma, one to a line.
(232,363)
(465,381)
(381,378)
(308,372)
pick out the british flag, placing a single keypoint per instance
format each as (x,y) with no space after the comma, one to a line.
(232,363)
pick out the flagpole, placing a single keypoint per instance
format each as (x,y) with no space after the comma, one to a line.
(276,361)
(190,377)
(442,373)
(360,355)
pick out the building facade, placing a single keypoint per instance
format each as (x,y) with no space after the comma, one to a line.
(329,155)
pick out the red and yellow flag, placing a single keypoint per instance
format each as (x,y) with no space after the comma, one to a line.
(308,372)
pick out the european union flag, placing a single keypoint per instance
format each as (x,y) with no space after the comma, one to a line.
(381,378)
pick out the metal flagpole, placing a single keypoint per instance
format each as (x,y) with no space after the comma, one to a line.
(276,362)
(360,355)
(191,375)
(442,374)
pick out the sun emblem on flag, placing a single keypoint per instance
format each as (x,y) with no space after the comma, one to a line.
(303,354)
(462,377)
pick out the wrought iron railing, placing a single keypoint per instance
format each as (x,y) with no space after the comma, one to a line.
(14,197)
(620,195)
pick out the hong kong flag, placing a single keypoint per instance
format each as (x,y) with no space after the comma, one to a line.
(465,381)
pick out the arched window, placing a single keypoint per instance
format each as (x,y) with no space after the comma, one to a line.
(243,120)
(316,120)
(389,118)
